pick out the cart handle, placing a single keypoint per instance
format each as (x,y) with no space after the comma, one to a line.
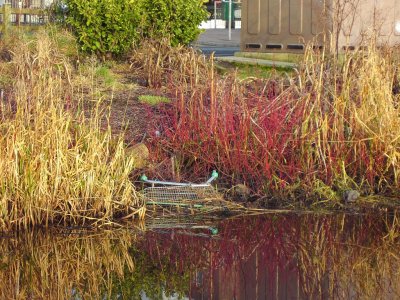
(214,175)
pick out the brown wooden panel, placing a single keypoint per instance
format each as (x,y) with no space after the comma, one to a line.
(275,16)
(282,25)
(253,17)
(317,7)
(351,18)
(296,16)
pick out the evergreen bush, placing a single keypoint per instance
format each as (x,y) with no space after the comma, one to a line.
(111,26)
(177,19)
(104,26)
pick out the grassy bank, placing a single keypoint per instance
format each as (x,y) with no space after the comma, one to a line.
(330,126)
(60,163)
(303,136)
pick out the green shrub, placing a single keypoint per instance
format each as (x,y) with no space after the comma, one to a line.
(104,26)
(177,19)
(111,26)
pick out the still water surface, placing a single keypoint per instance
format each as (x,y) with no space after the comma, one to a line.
(274,256)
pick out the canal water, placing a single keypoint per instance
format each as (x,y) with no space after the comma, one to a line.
(270,256)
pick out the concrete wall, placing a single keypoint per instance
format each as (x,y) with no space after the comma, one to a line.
(371,19)
(287,25)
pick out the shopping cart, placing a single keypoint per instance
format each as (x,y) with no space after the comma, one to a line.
(179,194)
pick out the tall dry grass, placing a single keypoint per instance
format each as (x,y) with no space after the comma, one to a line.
(58,165)
(351,118)
(331,125)
(160,63)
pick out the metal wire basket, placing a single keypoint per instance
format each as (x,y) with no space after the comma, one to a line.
(179,194)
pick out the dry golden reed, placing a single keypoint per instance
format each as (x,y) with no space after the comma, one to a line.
(351,118)
(161,63)
(57,164)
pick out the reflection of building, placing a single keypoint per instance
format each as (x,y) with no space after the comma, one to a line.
(287,25)
(252,278)
(335,257)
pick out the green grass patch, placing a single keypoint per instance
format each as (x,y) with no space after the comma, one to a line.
(105,75)
(245,71)
(285,57)
(153,100)
(248,70)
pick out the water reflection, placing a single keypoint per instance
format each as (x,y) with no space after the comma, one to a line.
(256,257)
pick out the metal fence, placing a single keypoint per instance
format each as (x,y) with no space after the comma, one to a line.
(219,15)
(30,12)
(27,3)
(24,12)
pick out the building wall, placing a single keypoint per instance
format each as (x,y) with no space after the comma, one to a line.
(287,25)
(372,19)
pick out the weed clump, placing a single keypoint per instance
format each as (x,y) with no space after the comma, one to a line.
(161,63)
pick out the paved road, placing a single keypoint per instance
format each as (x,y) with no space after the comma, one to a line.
(217,41)
(219,51)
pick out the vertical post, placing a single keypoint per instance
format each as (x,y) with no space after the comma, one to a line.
(19,15)
(215,14)
(6,18)
(230,20)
